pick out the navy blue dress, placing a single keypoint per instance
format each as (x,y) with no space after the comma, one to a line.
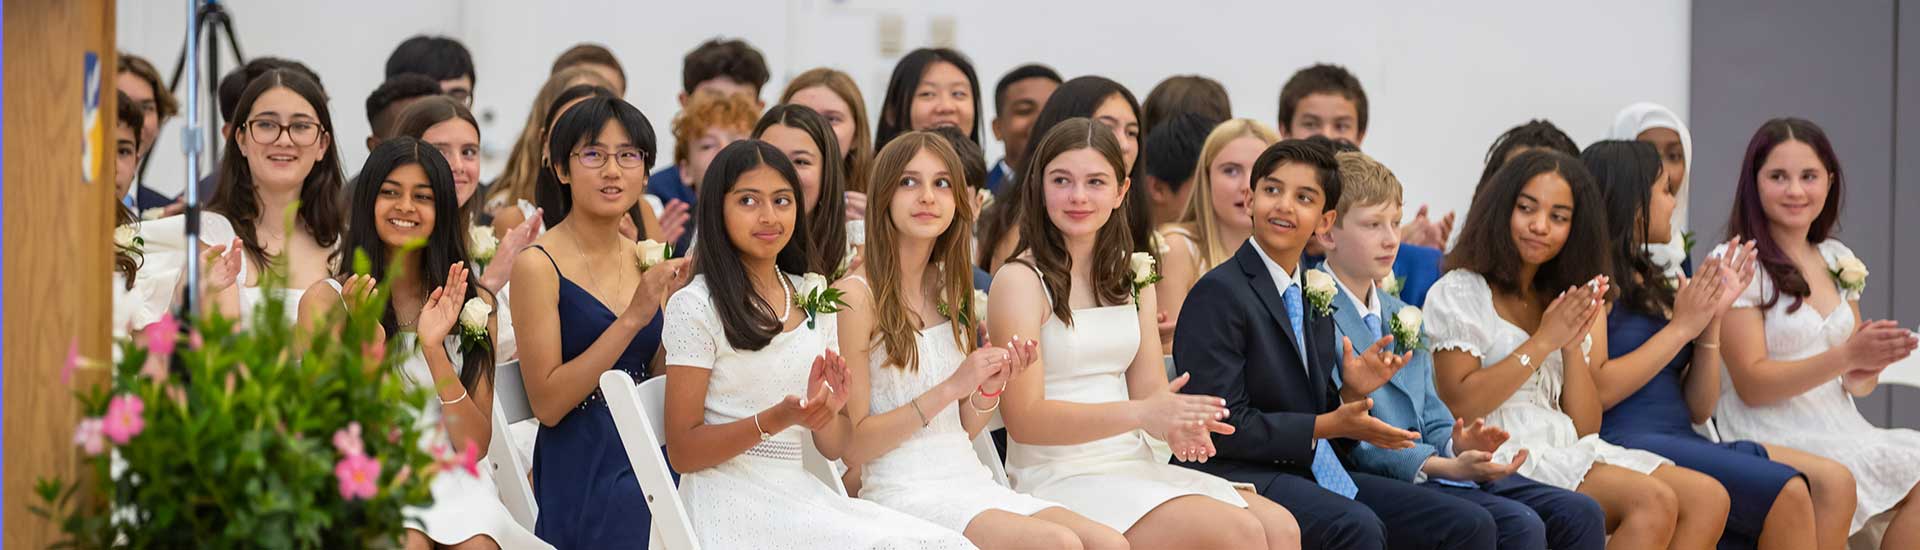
(1656,419)
(588,495)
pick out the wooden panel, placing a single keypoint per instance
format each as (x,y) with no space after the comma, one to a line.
(57,240)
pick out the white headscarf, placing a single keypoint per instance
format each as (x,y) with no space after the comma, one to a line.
(1628,125)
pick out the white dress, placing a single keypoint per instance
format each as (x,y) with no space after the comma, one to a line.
(1460,316)
(764,498)
(253,296)
(933,475)
(1116,480)
(1885,463)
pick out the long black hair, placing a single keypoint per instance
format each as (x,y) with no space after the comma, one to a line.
(446,242)
(896,108)
(425,113)
(579,125)
(827,220)
(1627,172)
(1538,133)
(234,197)
(751,323)
(1486,240)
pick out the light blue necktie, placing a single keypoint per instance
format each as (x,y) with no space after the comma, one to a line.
(1373,327)
(1326,468)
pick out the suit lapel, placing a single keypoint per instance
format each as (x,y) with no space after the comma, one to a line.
(1264,287)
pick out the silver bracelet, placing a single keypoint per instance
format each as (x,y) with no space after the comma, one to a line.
(764,436)
(463,397)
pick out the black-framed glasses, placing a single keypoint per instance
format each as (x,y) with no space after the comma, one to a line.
(595,157)
(302,132)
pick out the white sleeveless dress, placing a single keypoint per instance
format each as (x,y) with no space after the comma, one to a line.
(1115,480)
(251,297)
(934,475)
(1823,421)
(764,498)
(1460,316)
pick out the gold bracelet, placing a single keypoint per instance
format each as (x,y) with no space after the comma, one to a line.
(977,409)
(923,414)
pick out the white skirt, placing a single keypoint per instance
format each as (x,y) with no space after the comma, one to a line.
(772,503)
(1114,481)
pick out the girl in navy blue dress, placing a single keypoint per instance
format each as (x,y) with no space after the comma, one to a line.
(582,305)
(1664,373)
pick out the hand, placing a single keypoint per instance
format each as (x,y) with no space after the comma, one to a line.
(1696,303)
(1195,443)
(673,220)
(517,239)
(1737,266)
(1876,344)
(628,230)
(1478,466)
(357,290)
(1569,316)
(1423,231)
(656,284)
(1477,436)
(1166,324)
(1371,369)
(220,266)
(1168,412)
(1351,421)
(983,364)
(828,374)
(441,311)
(856,205)
(1023,353)
(177,208)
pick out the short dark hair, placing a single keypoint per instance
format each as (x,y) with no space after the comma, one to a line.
(1538,133)
(235,81)
(163,100)
(588,53)
(1189,93)
(1322,78)
(439,57)
(1023,72)
(896,107)
(1173,149)
(131,115)
(973,162)
(747,324)
(579,125)
(716,58)
(1315,154)
(1486,239)
(397,88)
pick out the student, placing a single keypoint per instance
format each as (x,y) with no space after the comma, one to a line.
(596,58)
(444,59)
(510,196)
(1171,152)
(1248,337)
(447,125)
(1659,126)
(1449,457)
(408,198)
(973,165)
(1189,93)
(145,91)
(1663,371)
(393,96)
(281,152)
(1792,371)
(1017,99)
(808,142)
(231,86)
(1516,331)
(707,124)
(723,67)
(931,87)
(582,307)
(130,311)
(834,95)
(738,367)
(1536,134)
(915,412)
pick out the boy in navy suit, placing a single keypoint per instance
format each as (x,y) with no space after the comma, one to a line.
(1258,332)
(1447,458)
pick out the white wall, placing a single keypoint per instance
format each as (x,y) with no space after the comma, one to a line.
(1443,80)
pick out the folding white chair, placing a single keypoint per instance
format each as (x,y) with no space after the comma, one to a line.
(819,466)
(638,415)
(509,468)
(983,448)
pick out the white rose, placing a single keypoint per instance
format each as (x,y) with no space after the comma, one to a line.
(650,252)
(856,232)
(1142,267)
(811,284)
(979,306)
(1319,282)
(123,236)
(482,242)
(474,314)
(1408,318)
(1853,272)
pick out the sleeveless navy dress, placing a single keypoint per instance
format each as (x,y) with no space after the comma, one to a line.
(588,495)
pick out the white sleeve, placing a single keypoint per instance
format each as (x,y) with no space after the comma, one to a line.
(1453,317)
(689,335)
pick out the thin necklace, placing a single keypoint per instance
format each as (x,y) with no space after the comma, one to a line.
(784,292)
(581,251)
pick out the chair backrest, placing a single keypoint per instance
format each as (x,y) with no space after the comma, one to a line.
(817,464)
(509,468)
(510,392)
(639,416)
(989,455)
(1905,372)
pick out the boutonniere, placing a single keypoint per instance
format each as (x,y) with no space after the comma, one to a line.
(1391,285)
(651,252)
(1405,328)
(473,324)
(482,245)
(128,238)
(1143,274)
(1850,272)
(970,315)
(1319,289)
(815,297)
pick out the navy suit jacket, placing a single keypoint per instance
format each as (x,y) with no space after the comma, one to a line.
(1236,342)
(144,198)
(1407,401)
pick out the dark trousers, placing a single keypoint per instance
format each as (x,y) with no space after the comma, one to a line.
(1386,513)
(1531,515)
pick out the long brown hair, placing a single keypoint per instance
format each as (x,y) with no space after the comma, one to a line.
(1110,278)
(859,154)
(895,325)
(828,217)
(1749,218)
(322,209)
(518,179)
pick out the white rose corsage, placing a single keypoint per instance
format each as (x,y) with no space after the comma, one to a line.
(650,253)
(815,297)
(473,324)
(128,238)
(1319,289)
(971,315)
(1143,274)
(482,244)
(1391,285)
(1404,326)
(1850,272)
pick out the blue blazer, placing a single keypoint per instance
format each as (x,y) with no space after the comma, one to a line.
(1417,267)
(1407,401)
(1236,342)
(996,177)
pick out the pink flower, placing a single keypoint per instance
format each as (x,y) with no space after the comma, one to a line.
(402,476)
(89,437)
(347,440)
(162,335)
(123,419)
(469,459)
(155,368)
(374,351)
(393,434)
(74,360)
(195,341)
(358,474)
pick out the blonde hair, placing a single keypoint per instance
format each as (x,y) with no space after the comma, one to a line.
(1199,213)
(859,154)
(894,325)
(517,181)
(1364,182)
(706,111)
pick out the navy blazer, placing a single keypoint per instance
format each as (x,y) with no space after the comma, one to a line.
(1236,342)
(1407,401)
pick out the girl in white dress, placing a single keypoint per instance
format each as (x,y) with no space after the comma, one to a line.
(1791,370)
(1505,349)
(1216,219)
(280,153)
(1079,421)
(916,412)
(409,197)
(741,353)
